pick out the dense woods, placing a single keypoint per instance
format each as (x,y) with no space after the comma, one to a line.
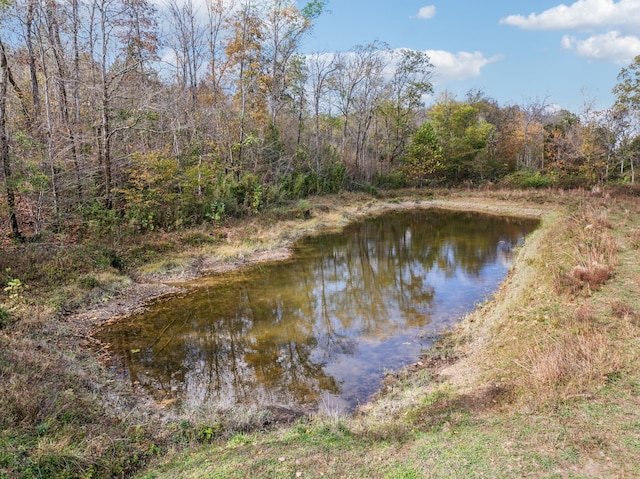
(120,115)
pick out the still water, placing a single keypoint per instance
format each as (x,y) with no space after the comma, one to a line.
(319,330)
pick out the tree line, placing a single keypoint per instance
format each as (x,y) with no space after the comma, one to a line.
(117,115)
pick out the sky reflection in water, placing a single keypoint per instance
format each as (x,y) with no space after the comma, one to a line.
(320,329)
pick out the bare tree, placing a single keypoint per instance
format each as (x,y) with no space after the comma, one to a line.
(321,67)
(60,77)
(5,158)
(33,75)
(359,85)
(121,45)
(534,113)
(188,44)
(218,15)
(284,27)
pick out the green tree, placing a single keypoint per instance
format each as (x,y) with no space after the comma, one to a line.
(463,135)
(627,92)
(424,161)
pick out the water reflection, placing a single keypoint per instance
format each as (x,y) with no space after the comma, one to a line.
(322,327)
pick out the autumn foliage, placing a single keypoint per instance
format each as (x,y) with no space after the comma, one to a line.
(101,122)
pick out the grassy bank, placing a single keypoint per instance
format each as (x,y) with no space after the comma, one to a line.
(541,381)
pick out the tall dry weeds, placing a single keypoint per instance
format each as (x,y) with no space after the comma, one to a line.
(567,349)
(595,252)
(570,362)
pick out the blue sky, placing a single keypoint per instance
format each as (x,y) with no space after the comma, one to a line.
(516,51)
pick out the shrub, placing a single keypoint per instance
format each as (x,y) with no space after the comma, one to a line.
(216,212)
(5,318)
(536,181)
(15,288)
(392,180)
(526,179)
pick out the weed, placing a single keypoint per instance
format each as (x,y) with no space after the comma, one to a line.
(240,439)
(5,318)
(206,433)
(15,288)
(216,212)
(595,253)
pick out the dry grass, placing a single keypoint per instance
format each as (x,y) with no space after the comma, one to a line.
(548,336)
(571,362)
(595,250)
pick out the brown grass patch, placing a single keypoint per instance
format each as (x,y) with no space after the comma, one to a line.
(596,252)
(584,313)
(623,310)
(569,362)
(592,276)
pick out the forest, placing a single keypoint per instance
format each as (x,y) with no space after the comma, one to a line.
(119,115)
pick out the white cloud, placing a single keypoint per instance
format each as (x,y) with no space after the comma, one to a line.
(426,12)
(581,15)
(458,66)
(568,42)
(613,26)
(448,66)
(610,46)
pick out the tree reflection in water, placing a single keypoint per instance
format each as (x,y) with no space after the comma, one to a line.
(324,325)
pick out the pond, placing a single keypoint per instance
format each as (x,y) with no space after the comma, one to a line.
(319,330)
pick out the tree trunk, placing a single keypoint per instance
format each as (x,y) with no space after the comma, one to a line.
(50,134)
(4,146)
(105,123)
(77,140)
(61,77)
(33,73)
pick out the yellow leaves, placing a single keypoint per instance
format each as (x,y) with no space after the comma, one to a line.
(152,179)
(151,168)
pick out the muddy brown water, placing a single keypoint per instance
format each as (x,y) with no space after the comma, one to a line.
(319,330)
